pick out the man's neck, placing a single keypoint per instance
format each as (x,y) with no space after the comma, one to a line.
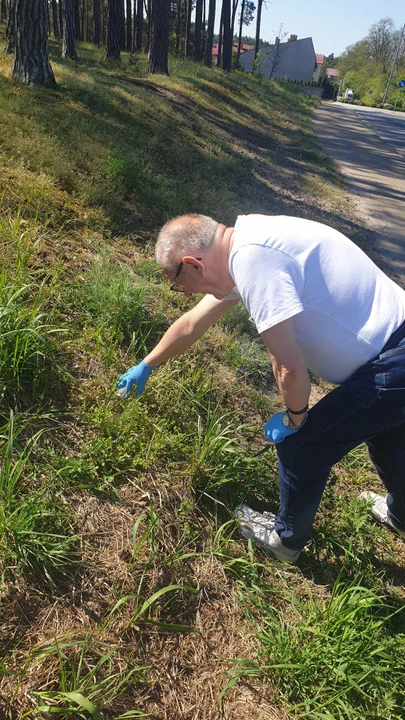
(224,239)
(224,242)
(228,239)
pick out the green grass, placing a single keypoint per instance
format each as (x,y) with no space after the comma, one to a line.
(36,532)
(91,671)
(127,591)
(30,368)
(333,659)
(117,308)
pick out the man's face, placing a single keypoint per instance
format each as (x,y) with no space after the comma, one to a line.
(192,277)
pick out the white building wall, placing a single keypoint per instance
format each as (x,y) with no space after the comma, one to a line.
(293,60)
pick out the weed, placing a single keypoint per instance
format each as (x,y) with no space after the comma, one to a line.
(250,361)
(36,532)
(238,319)
(30,369)
(340,658)
(117,304)
(91,676)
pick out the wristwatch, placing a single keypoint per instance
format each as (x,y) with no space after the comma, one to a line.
(288,423)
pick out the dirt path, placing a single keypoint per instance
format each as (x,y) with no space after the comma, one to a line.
(374,171)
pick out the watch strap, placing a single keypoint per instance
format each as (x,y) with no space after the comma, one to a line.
(298,412)
(291,424)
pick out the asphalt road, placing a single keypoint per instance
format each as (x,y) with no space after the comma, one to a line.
(369,148)
(389,126)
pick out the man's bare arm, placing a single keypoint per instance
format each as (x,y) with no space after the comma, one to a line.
(188,329)
(288,366)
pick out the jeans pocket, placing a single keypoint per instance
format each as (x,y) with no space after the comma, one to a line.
(390,400)
(391,371)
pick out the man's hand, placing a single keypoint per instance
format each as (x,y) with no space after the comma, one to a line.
(275,431)
(137,375)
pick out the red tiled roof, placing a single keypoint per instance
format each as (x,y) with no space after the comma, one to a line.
(319,59)
(243,48)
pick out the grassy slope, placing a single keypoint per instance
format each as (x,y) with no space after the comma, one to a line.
(107,505)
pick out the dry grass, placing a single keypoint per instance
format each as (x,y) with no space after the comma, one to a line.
(223,145)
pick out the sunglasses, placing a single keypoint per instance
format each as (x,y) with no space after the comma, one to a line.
(174,285)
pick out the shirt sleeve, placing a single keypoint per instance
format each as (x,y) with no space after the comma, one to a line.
(270,283)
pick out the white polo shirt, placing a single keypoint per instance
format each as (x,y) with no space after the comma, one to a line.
(344,308)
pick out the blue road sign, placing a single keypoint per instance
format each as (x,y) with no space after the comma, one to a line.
(401,84)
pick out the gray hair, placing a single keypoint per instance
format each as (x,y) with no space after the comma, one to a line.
(186,233)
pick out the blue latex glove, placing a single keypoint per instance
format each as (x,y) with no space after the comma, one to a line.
(137,375)
(275,431)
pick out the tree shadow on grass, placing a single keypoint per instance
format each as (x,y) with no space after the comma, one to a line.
(147,145)
(154,150)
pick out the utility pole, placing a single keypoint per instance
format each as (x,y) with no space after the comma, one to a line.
(393,65)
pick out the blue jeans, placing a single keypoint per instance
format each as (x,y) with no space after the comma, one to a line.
(367,407)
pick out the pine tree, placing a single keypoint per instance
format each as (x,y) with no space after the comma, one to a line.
(210,34)
(69,31)
(31,64)
(114,30)
(159,46)
(10,26)
(227,35)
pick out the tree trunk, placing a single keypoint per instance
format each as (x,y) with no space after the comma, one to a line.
(197,30)
(188,9)
(55,22)
(76,16)
(210,34)
(104,10)
(227,49)
(219,54)
(178,26)
(96,22)
(258,21)
(129,26)
(159,46)
(139,26)
(11,27)
(148,26)
(60,8)
(82,19)
(31,64)
(113,30)
(234,9)
(69,31)
(48,19)
(242,10)
(3,10)
(204,28)
(122,25)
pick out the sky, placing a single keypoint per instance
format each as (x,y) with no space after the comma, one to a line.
(333,25)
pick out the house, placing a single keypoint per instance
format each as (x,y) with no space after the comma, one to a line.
(333,75)
(292,60)
(320,59)
(243,48)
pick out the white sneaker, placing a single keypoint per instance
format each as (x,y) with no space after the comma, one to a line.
(259,527)
(379,510)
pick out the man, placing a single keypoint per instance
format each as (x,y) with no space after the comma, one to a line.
(318,302)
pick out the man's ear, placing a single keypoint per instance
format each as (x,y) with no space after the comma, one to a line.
(195,263)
